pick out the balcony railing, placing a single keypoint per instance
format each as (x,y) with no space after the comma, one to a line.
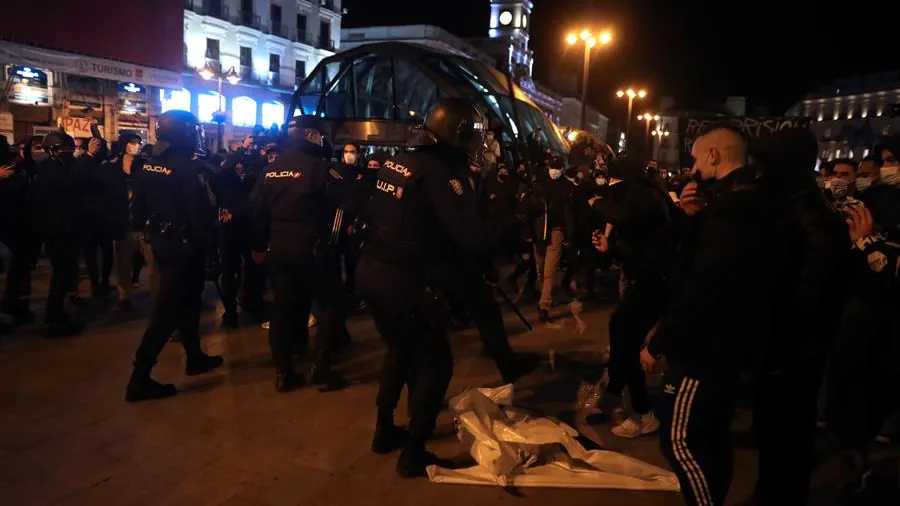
(247,18)
(301,37)
(326,44)
(207,8)
(280,30)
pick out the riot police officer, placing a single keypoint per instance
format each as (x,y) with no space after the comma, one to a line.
(171,205)
(56,204)
(420,219)
(291,205)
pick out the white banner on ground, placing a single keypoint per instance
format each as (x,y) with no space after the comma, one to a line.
(513,448)
(58,61)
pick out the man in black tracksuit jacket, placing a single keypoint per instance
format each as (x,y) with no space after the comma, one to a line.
(720,300)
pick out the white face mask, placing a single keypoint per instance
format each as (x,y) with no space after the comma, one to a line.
(555,173)
(78,152)
(133,149)
(863,183)
(838,188)
(350,158)
(890,174)
(39,156)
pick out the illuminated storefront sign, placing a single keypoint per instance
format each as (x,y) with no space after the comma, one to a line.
(28,85)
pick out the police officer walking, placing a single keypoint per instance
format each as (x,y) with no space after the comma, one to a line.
(291,206)
(420,219)
(171,204)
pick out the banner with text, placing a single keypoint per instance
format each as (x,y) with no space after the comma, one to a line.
(58,61)
(752,127)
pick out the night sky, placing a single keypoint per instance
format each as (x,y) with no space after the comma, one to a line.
(698,52)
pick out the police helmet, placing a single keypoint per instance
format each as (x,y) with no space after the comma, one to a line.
(457,123)
(58,141)
(179,129)
(300,124)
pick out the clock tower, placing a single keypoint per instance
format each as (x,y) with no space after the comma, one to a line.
(508,33)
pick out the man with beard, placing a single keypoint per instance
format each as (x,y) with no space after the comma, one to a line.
(56,206)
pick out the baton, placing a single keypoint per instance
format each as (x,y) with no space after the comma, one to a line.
(514,307)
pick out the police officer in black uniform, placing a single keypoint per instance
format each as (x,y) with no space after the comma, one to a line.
(291,206)
(419,219)
(56,199)
(171,204)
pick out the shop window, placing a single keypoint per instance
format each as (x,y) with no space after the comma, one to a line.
(272,113)
(207,105)
(212,49)
(179,100)
(416,93)
(243,111)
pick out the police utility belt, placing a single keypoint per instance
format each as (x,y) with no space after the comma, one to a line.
(167,229)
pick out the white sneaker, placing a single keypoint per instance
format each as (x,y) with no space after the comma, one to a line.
(631,428)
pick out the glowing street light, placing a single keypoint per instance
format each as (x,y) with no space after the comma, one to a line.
(631,94)
(648,117)
(590,40)
(207,73)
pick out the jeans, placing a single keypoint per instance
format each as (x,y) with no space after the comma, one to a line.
(547,260)
(125,249)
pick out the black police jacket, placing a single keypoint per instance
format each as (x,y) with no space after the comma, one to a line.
(171,202)
(422,214)
(724,279)
(290,202)
(56,199)
(96,202)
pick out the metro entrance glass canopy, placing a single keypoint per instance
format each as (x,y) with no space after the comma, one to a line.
(374,94)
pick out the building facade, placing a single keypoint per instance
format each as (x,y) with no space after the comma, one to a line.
(851,115)
(255,52)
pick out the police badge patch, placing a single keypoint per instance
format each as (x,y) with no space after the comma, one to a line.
(877,261)
(456,186)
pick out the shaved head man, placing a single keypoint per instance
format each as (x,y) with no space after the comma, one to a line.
(718,152)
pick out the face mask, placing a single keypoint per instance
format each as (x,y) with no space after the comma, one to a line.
(39,156)
(890,175)
(601,181)
(838,188)
(78,153)
(133,149)
(350,158)
(555,173)
(502,176)
(863,183)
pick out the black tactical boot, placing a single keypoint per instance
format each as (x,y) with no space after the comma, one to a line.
(413,461)
(202,363)
(388,438)
(141,387)
(331,380)
(230,321)
(287,381)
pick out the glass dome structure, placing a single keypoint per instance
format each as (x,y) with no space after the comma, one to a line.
(374,94)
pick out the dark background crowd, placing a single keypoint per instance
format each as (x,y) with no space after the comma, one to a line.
(820,309)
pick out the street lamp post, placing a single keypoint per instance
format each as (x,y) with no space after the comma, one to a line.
(631,94)
(219,117)
(660,132)
(590,40)
(648,117)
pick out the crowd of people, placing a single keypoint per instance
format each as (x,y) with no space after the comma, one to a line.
(751,264)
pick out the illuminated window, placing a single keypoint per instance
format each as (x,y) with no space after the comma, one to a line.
(175,100)
(506,18)
(207,105)
(243,111)
(272,113)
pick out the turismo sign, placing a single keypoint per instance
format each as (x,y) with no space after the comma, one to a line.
(59,61)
